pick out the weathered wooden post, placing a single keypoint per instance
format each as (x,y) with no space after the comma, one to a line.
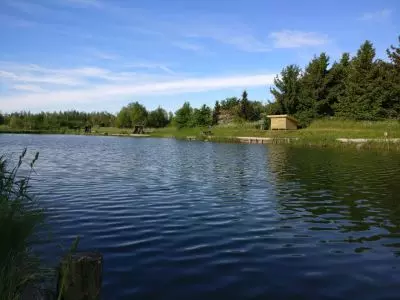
(80,276)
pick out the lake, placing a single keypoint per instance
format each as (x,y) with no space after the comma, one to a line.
(194,220)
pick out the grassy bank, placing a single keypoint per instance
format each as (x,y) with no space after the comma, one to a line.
(320,129)
(322,133)
(319,133)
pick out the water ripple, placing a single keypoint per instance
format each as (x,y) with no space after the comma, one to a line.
(179,220)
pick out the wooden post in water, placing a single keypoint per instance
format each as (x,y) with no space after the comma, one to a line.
(80,276)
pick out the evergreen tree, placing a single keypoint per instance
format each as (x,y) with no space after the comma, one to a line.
(184,116)
(287,89)
(362,98)
(314,90)
(337,78)
(392,103)
(216,113)
(244,106)
(394,55)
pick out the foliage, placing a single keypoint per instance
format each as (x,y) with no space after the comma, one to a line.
(158,118)
(131,115)
(314,91)
(202,116)
(124,118)
(184,116)
(287,89)
(19,218)
(216,113)
(244,106)
(56,121)
(230,103)
(361,99)
(357,88)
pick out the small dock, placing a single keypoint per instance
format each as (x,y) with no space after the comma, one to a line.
(131,134)
(262,140)
(379,140)
(254,140)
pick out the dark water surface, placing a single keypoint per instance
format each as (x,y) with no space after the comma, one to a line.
(193,220)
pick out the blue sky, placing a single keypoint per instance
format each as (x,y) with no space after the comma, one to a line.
(100,54)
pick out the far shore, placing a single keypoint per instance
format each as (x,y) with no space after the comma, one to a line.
(323,133)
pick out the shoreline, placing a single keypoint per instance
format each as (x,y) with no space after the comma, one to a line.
(318,141)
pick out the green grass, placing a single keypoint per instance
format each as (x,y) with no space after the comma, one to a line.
(321,133)
(110,130)
(321,129)
(7,129)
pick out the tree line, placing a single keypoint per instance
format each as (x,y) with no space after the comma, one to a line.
(53,121)
(361,87)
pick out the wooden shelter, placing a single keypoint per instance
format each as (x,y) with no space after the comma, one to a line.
(284,122)
(138,129)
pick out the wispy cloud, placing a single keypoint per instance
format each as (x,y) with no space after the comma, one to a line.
(101,54)
(50,91)
(188,46)
(27,88)
(244,42)
(379,15)
(151,66)
(296,39)
(54,78)
(236,34)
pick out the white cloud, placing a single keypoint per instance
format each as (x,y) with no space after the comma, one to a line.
(379,15)
(296,39)
(49,90)
(236,34)
(28,88)
(244,42)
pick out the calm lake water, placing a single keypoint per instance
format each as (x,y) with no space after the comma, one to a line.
(194,220)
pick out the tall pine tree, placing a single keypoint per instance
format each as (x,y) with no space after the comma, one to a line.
(362,97)
(244,106)
(314,90)
(336,81)
(216,113)
(287,89)
(391,104)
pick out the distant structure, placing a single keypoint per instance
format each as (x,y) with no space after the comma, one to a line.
(88,129)
(138,129)
(283,122)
